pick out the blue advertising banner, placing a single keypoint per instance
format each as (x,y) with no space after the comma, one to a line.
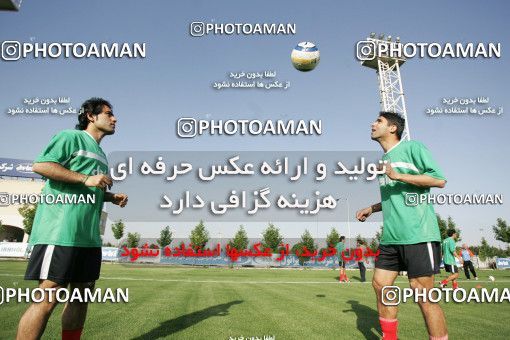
(17,168)
(288,261)
(503,263)
(110,253)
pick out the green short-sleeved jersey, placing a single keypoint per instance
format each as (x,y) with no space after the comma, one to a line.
(71,224)
(340,247)
(404,222)
(448,251)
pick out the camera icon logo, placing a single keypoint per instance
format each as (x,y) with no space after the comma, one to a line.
(411,199)
(390,295)
(1,295)
(365,50)
(197,29)
(4,199)
(11,50)
(187,127)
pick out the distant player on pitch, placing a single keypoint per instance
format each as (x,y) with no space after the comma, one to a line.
(449,255)
(340,247)
(66,237)
(410,239)
(362,246)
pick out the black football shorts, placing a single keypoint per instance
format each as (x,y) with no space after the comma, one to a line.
(64,264)
(421,259)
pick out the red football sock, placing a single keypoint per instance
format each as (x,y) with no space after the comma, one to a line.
(444,282)
(71,334)
(455,285)
(389,328)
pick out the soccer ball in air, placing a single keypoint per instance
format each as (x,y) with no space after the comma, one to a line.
(492,278)
(305,56)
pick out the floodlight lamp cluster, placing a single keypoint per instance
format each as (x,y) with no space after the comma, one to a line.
(382,36)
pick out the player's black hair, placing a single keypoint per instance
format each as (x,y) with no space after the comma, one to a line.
(394,119)
(342,238)
(93,106)
(451,232)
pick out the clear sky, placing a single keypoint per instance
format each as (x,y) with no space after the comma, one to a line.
(175,78)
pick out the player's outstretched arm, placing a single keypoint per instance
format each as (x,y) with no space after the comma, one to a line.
(363,214)
(424,181)
(57,172)
(461,260)
(421,180)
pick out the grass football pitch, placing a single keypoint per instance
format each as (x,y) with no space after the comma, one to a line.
(221,303)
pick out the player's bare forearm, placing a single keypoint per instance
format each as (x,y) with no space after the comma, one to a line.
(365,213)
(119,199)
(57,172)
(423,181)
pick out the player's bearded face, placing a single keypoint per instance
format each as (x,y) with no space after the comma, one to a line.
(106,121)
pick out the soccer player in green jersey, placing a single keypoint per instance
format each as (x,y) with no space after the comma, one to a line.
(66,237)
(449,255)
(340,247)
(410,239)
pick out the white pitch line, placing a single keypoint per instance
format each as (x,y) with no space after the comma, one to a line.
(225,281)
(262,282)
(252,282)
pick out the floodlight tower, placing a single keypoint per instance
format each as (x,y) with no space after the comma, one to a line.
(383,57)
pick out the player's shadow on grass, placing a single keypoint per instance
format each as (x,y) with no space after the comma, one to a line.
(367,320)
(182,322)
